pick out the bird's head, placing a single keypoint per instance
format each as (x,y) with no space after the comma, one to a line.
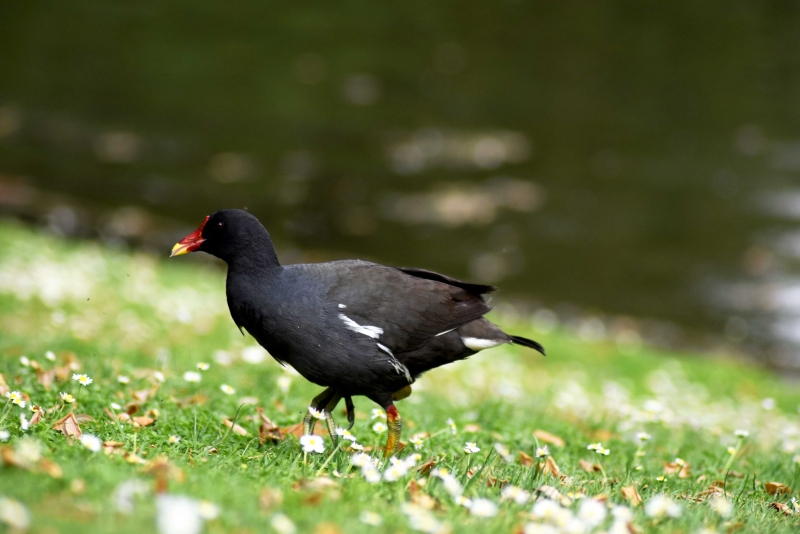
(227,234)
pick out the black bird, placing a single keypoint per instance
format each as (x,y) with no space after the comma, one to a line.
(353,327)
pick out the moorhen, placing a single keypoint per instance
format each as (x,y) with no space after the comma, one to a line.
(354,327)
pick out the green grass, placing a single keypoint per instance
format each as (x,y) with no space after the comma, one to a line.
(117,313)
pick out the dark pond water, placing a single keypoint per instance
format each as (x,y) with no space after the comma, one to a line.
(606,157)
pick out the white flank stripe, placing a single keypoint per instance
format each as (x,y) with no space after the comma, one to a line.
(342,306)
(445,332)
(371,331)
(398,367)
(476,343)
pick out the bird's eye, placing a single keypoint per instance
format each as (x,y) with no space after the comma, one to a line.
(220,224)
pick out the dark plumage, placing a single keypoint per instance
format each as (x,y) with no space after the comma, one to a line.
(354,327)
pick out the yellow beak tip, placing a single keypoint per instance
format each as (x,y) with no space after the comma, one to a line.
(179,249)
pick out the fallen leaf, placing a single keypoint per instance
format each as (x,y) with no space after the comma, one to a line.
(267,430)
(670,468)
(547,437)
(526,460)
(82,417)
(45,378)
(630,494)
(235,427)
(551,468)
(68,426)
(270,498)
(51,468)
(420,498)
(37,415)
(781,507)
(326,528)
(589,467)
(3,385)
(776,488)
(426,467)
(472,428)
(143,420)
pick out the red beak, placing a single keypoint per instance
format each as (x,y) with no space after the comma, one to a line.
(191,242)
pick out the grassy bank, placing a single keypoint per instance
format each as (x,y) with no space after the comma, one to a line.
(136,325)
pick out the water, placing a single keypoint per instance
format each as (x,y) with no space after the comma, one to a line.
(612,158)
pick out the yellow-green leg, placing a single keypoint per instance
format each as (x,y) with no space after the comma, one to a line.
(395,424)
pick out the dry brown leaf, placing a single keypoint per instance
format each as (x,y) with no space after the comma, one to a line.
(3,385)
(270,498)
(267,430)
(550,467)
(776,488)
(235,428)
(472,428)
(526,460)
(630,494)
(82,417)
(670,468)
(68,426)
(420,498)
(589,467)
(45,378)
(426,467)
(327,528)
(143,420)
(781,507)
(37,415)
(603,435)
(51,468)
(547,437)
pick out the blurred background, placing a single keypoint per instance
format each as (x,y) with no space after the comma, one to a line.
(627,170)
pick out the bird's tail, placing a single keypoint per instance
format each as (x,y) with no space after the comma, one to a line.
(525,342)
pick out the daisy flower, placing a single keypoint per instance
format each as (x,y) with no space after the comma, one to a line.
(192,376)
(50,355)
(82,379)
(377,413)
(4,435)
(741,433)
(592,512)
(731,450)
(115,406)
(174,439)
(371,475)
(483,508)
(24,361)
(316,414)
(395,471)
(370,518)
(16,398)
(541,452)
(356,446)
(344,433)
(360,459)
(312,443)
(159,376)
(471,447)
(661,505)
(91,442)
(123,379)
(417,441)
(721,506)
(226,389)
(203,366)
(594,446)
(452,426)
(642,437)
(67,397)
(379,427)
(283,383)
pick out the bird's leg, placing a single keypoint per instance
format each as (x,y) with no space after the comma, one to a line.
(329,416)
(309,421)
(351,411)
(395,425)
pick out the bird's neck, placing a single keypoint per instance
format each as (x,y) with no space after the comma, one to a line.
(258,259)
